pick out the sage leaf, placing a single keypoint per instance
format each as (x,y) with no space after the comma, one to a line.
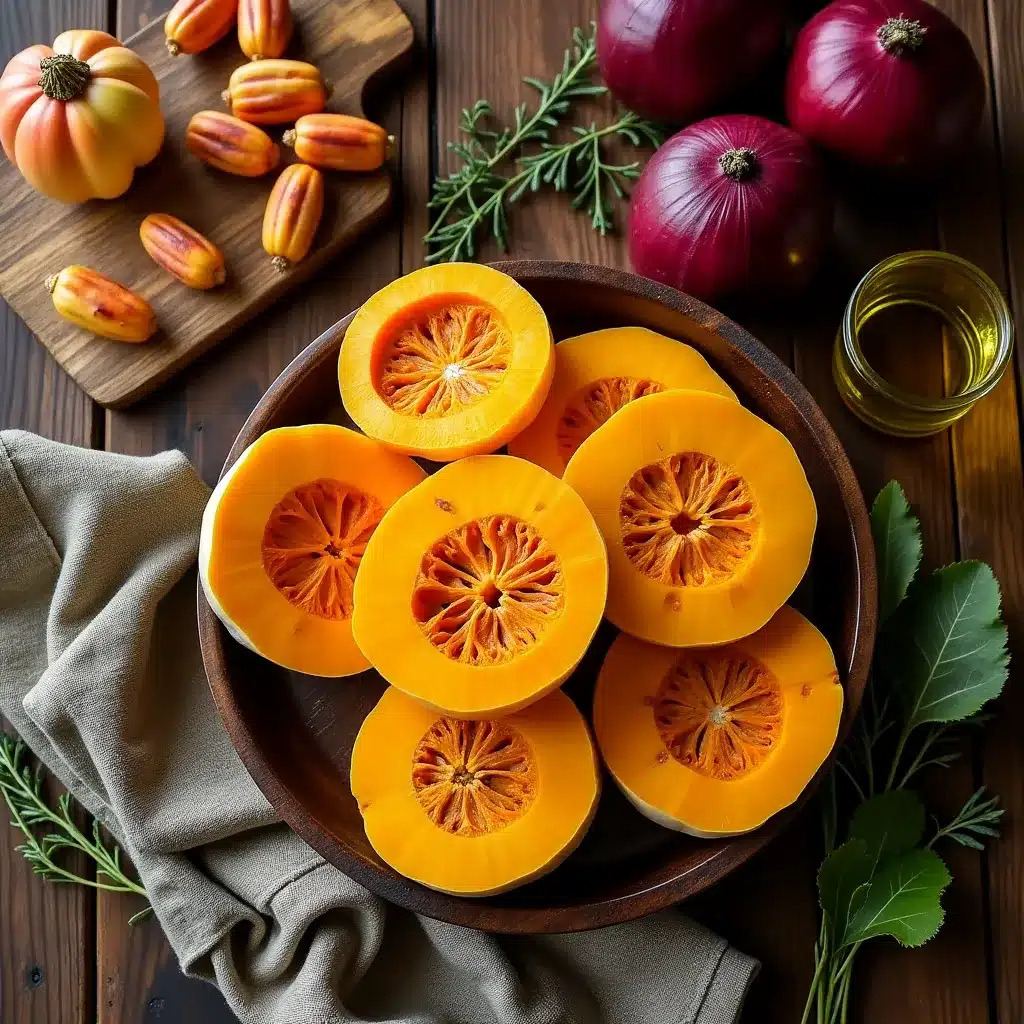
(889,824)
(843,881)
(902,900)
(945,653)
(897,537)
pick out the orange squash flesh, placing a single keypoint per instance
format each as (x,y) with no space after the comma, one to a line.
(474,808)
(707,514)
(597,374)
(448,361)
(714,741)
(283,536)
(481,588)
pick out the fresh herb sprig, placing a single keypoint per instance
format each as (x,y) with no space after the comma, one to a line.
(941,656)
(22,789)
(496,171)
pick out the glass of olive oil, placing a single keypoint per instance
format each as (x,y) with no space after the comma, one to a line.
(976,325)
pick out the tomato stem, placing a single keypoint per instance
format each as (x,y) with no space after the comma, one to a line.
(64,77)
(739,164)
(901,35)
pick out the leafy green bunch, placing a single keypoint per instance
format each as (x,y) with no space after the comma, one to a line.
(495,170)
(941,656)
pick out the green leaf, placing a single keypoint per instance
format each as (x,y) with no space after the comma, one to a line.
(889,824)
(945,654)
(843,880)
(902,901)
(897,537)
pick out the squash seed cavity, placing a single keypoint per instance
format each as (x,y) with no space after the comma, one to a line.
(445,361)
(719,714)
(688,520)
(593,405)
(488,590)
(313,543)
(473,778)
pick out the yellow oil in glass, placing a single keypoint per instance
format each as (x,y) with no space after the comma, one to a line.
(879,364)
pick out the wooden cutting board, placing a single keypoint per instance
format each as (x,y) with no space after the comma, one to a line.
(350,41)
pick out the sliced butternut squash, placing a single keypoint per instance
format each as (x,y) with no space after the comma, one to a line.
(283,536)
(706,512)
(448,361)
(474,807)
(714,741)
(481,588)
(597,374)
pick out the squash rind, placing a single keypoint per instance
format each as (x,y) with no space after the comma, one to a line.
(390,636)
(680,798)
(404,837)
(629,352)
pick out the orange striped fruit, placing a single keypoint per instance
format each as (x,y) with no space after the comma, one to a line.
(96,303)
(231,145)
(182,251)
(264,27)
(275,91)
(293,214)
(339,142)
(195,25)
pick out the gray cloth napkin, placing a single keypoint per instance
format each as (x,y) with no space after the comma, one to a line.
(100,673)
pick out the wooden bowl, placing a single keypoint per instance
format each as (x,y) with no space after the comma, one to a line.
(295,733)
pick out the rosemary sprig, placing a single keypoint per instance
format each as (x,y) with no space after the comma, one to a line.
(476,196)
(978,817)
(22,789)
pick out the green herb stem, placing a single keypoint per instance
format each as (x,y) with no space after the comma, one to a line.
(499,166)
(941,658)
(22,790)
(550,104)
(551,166)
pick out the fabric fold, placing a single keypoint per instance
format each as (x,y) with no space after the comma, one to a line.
(100,672)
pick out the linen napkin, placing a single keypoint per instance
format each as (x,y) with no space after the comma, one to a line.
(100,672)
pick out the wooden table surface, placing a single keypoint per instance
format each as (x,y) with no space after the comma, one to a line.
(67,956)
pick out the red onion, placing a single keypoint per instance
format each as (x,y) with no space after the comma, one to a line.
(731,204)
(886,83)
(670,60)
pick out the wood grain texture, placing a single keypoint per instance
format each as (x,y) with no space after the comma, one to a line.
(987,455)
(138,976)
(351,41)
(46,930)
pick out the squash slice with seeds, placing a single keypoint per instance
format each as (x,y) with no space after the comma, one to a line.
(283,536)
(447,361)
(481,588)
(714,741)
(707,514)
(474,808)
(597,374)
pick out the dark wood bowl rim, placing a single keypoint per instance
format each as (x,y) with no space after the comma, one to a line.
(598,913)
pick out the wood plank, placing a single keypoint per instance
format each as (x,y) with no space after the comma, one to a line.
(201,412)
(350,41)
(46,930)
(987,454)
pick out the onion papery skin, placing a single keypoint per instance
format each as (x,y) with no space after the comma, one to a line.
(910,108)
(695,227)
(672,60)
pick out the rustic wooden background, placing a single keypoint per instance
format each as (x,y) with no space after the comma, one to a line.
(68,957)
